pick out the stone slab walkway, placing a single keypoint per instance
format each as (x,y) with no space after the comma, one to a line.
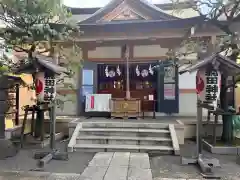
(118,166)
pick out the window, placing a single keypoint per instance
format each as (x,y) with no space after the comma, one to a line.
(87,77)
(87,82)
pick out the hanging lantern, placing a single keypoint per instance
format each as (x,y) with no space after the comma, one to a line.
(208,86)
(45,87)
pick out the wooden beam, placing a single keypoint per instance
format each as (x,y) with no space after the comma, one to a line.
(84,53)
(135,59)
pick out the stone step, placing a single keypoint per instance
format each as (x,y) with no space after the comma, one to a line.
(122,148)
(125,132)
(124,140)
(125,124)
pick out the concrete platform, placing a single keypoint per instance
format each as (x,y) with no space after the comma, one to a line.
(118,166)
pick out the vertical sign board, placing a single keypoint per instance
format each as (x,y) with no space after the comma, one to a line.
(208,86)
(169,74)
(168,93)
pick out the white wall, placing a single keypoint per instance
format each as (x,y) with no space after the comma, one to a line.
(149,51)
(188,101)
(187,81)
(105,52)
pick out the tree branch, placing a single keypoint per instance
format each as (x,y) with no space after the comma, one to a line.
(20,49)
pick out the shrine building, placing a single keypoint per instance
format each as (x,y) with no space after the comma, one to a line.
(149,31)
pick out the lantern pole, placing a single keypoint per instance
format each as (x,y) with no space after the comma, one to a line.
(199,128)
(53,125)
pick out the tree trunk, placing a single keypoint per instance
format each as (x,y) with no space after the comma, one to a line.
(227,133)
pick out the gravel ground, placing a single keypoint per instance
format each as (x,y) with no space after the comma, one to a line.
(170,166)
(24,162)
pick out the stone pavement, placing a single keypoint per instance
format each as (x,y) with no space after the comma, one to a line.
(103,166)
(62,176)
(118,166)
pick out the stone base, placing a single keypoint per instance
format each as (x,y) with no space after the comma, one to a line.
(7,149)
(206,165)
(37,143)
(224,150)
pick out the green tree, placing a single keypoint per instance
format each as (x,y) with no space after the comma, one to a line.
(38,26)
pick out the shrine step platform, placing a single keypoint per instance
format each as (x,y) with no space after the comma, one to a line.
(113,136)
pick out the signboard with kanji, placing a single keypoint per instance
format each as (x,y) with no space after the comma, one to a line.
(208,86)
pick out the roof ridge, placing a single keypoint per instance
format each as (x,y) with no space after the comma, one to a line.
(156,8)
(115,3)
(102,9)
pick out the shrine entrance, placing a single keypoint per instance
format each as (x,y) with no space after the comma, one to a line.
(113,40)
(157,88)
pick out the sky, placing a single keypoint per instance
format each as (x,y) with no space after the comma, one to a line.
(97,3)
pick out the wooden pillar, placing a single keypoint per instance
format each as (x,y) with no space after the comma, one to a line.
(127,56)
(80,104)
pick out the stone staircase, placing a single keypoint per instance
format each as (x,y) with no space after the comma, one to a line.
(124,136)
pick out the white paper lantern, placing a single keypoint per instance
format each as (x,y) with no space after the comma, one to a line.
(208,86)
(40,85)
(45,87)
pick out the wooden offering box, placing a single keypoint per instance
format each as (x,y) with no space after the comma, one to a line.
(125,108)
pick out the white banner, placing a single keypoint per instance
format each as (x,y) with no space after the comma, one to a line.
(98,102)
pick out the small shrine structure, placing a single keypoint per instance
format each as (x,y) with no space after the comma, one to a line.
(211,86)
(45,74)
